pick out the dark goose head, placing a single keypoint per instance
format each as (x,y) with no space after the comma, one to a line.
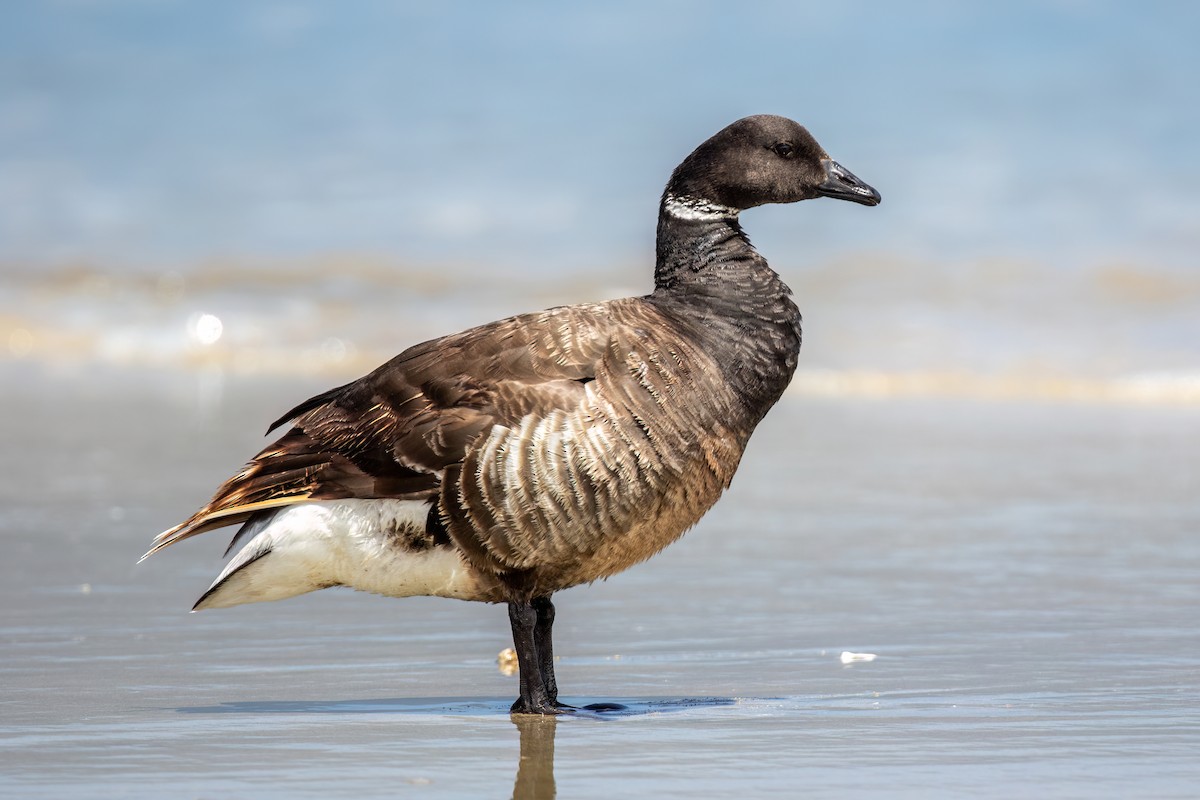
(758,160)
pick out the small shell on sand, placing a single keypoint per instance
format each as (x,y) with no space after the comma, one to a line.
(507,661)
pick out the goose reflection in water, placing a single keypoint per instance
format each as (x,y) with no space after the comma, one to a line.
(535,769)
(534,778)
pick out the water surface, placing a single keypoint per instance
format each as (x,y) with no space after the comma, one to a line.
(1024,572)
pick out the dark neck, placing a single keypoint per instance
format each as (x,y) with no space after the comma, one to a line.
(688,250)
(711,261)
(709,276)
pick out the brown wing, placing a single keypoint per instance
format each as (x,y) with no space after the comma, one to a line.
(392,433)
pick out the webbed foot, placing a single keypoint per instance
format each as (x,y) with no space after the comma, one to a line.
(540,707)
(600,708)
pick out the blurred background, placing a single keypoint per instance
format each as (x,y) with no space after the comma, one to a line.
(985,472)
(306,188)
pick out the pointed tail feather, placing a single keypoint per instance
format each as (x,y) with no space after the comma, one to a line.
(283,474)
(202,522)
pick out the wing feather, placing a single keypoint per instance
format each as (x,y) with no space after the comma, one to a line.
(395,432)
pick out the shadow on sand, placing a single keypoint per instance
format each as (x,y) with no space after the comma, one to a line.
(535,765)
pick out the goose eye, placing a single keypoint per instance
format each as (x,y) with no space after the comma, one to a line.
(784,150)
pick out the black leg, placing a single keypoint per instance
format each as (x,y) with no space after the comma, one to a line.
(532,626)
(523,617)
(543,642)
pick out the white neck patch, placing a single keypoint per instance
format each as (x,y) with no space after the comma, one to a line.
(694,209)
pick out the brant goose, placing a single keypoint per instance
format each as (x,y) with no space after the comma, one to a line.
(513,460)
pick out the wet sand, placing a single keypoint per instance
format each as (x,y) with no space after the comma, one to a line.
(1025,573)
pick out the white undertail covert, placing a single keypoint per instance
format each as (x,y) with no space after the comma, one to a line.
(364,544)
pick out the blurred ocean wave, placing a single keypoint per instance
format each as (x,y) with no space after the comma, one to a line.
(1148,388)
(873,326)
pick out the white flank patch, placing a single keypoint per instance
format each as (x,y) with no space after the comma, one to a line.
(695,209)
(854,658)
(355,543)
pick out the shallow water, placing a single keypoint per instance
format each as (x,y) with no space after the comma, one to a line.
(1025,574)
